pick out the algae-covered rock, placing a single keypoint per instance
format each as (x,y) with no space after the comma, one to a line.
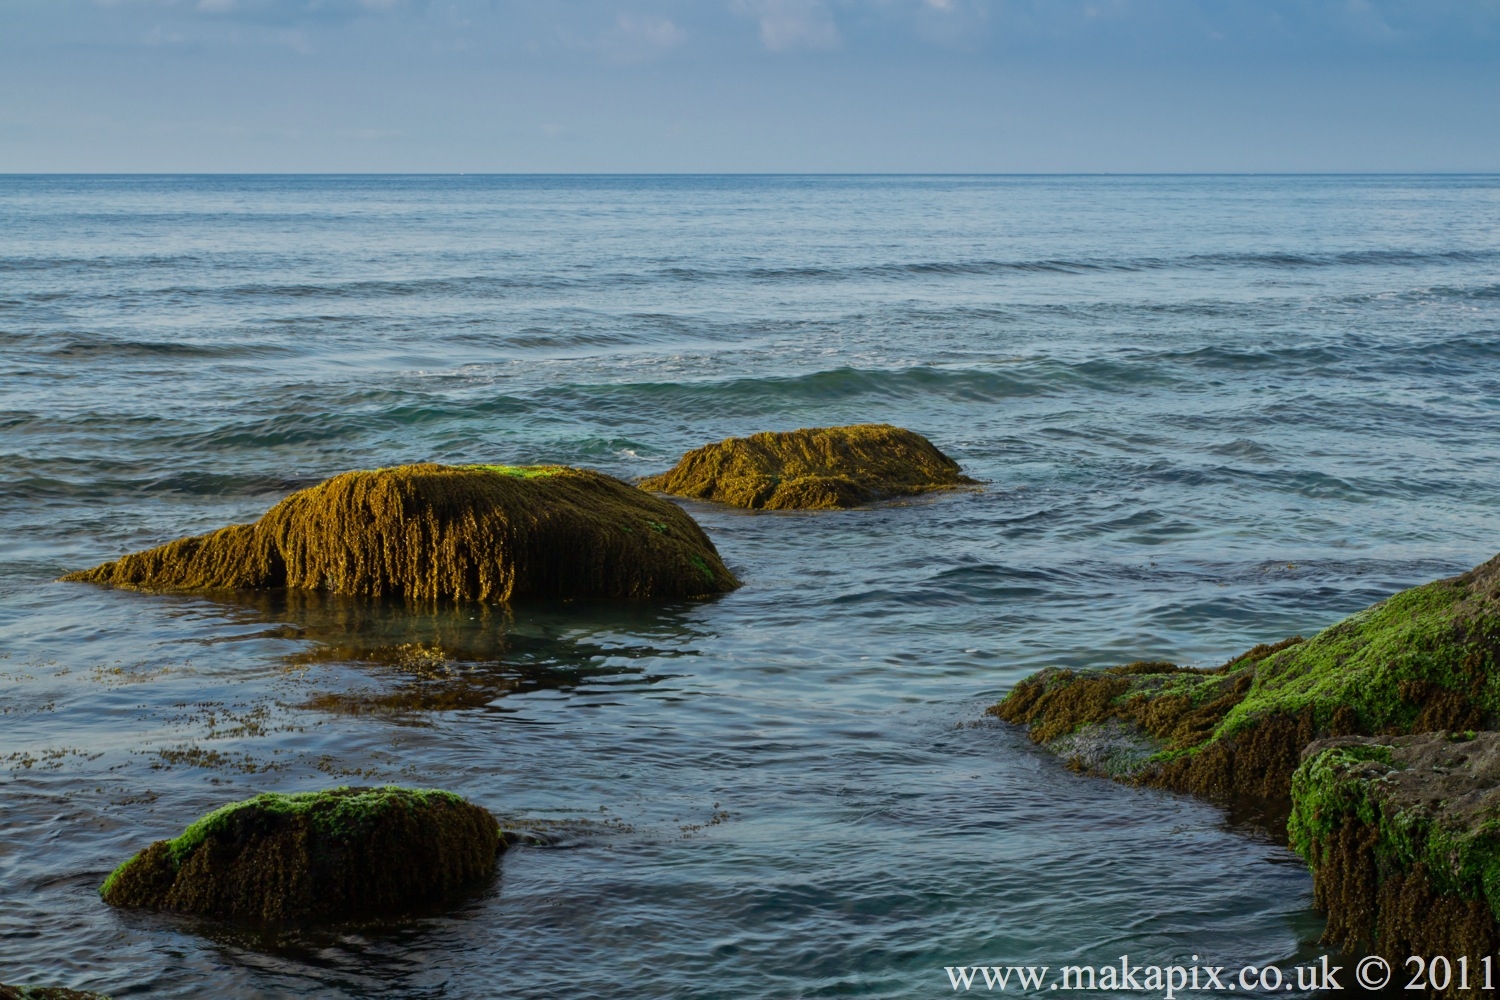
(316,856)
(1422,660)
(820,468)
(1403,837)
(46,993)
(476,532)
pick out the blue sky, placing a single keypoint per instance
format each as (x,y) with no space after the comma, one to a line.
(749,85)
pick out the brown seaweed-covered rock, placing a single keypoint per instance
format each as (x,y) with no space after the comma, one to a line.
(1403,837)
(46,993)
(316,856)
(820,468)
(1425,659)
(475,532)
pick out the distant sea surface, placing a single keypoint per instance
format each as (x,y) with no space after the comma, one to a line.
(1208,412)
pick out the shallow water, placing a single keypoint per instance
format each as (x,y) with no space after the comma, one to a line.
(1209,412)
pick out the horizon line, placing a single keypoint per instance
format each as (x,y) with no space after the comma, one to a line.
(740,173)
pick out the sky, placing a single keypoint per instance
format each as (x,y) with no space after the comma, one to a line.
(728,86)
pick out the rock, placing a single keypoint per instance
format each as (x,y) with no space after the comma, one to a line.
(1403,837)
(1111,747)
(46,993)
(316,856)
(1422,660)
(820,468)
(474,532)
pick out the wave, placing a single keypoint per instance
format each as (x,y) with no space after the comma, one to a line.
(101,263)
(1392,257)
(505,285)
(1294,358)
(830,387)
(343,420)
(100,348)
(88,480)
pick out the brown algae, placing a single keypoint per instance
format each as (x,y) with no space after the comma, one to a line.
(1421,660)
(316,856)
(819,468)
(479,532)
(1402,834)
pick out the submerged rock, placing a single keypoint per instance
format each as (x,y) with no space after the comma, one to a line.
(46,993)
(473,532)
(316,856)
(1422,660)
(820,468)
(1403,837)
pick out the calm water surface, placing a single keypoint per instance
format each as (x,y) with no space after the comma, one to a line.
(1209,412)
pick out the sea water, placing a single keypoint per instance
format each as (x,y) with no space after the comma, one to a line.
(1208,412)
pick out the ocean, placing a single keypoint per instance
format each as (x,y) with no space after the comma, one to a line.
(1208,412)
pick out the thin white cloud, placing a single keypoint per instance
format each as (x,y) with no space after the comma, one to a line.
(162,35)
(269,11)
(1368,21)
(788,25)
(637,40)
(961,25)
(297,41)
(1107,9)
(312,9)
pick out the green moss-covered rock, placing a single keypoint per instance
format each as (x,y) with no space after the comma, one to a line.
(1422,660)
(472,532)
(46,993)
(1402,834)
(816,468)
(316,856)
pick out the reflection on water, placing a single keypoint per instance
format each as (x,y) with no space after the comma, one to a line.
(448,656)
(358,956)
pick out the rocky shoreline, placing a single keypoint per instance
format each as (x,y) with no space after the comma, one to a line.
(1402,834)
(1376,737)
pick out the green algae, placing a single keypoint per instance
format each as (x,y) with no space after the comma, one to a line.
(519,471)
(1396,803)
(703,567)
(1178,707)
(1367,663)
(1402,834)
(1459,848)
(1326,791)
(1421,660)
(315,856)
(334,815)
